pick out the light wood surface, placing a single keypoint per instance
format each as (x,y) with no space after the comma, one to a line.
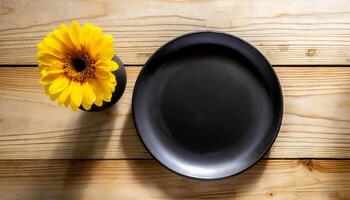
(316,121)
(286,31)
(49,152)
(147,180)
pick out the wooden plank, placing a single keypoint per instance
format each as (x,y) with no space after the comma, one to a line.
(286,31)
(316,121)
(146,179)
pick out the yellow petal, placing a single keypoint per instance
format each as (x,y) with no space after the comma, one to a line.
(96,33)
(74,107)
(109,65)
(48,59)
(98,102)
(103,74)
(112,83)
(43,71)
(63,97)
(93,41)
(53,97)
(106,54)
(86,106)
(112,86)
(55,70)
(59,84)
(96,90)
(105,49)
(83,37)
(101,89)
(51,46)
(114,65)
(49,78)
(89,96)
(42,67)
(107,42)
(74,33)
(86,36)
(112,79)
(47,89)
(49,54)
(76,95)
(58,37)
(67,102)
(65,37)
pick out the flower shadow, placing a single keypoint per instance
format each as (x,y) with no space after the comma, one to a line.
(87,143)
(73,170)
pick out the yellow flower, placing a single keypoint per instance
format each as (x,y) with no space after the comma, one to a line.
(76,65)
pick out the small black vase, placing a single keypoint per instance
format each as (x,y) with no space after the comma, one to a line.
(120,76)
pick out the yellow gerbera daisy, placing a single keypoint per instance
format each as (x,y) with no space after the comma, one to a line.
(76,65)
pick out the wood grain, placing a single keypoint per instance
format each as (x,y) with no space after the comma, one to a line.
(316,120)
(286,31)
(146,179)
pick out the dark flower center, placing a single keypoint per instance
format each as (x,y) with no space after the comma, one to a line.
(79,64)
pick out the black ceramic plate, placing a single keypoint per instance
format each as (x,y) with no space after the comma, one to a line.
(207,105)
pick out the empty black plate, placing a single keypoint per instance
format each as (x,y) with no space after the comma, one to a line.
(207,105)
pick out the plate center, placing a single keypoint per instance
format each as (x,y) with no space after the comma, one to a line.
(208,102)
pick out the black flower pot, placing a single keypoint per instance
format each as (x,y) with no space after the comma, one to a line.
(120,76)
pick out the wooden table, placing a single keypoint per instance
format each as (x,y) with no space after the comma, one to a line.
(49,152)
